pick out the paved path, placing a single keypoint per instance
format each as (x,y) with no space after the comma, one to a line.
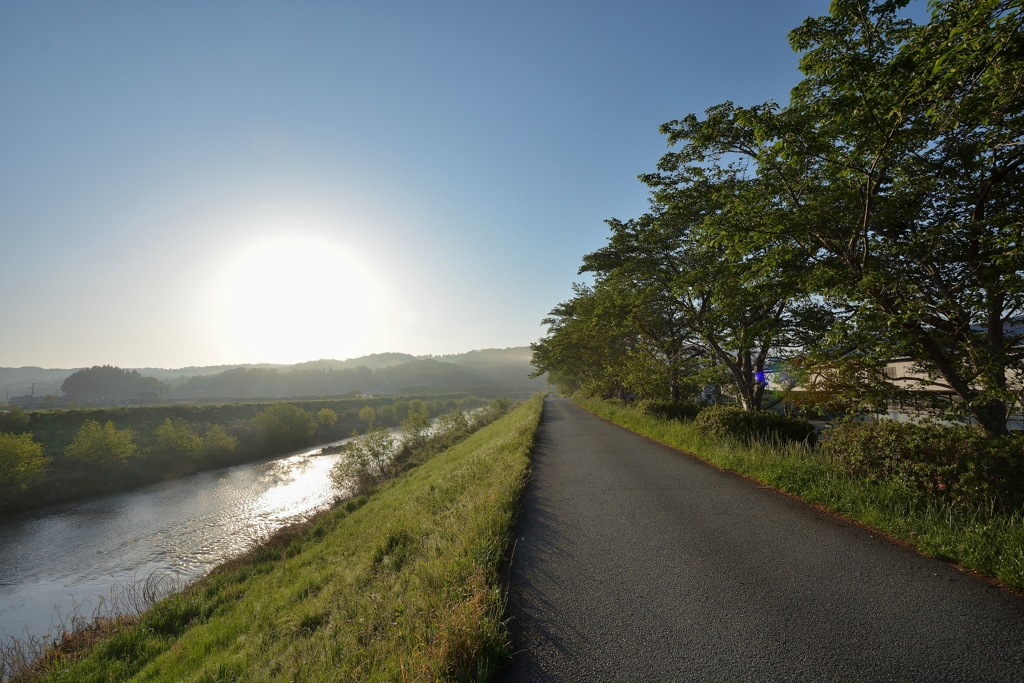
(637,563)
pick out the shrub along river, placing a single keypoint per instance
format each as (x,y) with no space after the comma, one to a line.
(56,558)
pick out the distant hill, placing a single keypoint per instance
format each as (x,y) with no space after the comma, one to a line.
(374,361)
(305,381)
(242,383)
(504,367)
(378,373)
(180,375)
(427,373)
(107,382)
(514,355)
(20,381)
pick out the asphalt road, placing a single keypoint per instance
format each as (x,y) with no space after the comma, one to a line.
(635,562)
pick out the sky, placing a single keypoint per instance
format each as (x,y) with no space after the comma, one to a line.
(199,183)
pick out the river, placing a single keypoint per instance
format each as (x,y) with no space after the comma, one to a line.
(54,558)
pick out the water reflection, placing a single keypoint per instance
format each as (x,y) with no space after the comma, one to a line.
(53,557)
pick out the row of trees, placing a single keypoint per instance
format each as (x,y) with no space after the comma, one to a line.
(55,456)
(875,216)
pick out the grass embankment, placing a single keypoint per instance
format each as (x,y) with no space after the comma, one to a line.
(398,585)
(984,539)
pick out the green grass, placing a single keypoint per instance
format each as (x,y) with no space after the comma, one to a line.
(399,585)
(986,540)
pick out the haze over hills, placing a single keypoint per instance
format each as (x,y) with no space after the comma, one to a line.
(379,373)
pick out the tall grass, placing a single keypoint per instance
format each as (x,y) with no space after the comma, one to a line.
(983,538)
(397,585)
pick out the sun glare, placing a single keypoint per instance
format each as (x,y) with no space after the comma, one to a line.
(292,299)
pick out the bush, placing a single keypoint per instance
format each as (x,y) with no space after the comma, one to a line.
(957,463)
(218,443)
(101,445)
(369,459)
(365,461)
(452,426)
(415,428)
(670,410)
(21,460)
(14,420)
(731,421)
(283,426)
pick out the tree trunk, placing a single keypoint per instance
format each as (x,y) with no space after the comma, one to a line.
(991,417)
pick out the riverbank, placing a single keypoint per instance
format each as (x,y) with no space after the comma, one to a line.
(399,584)
(68,555)
(985,540)
(69,479)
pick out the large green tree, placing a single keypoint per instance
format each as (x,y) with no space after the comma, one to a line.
(896,169)
(723,291)
(282,426)
(588,342)
(104,445)
(21,460)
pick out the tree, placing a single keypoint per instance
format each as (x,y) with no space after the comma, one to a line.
(21,460)
(387,416)
(368,415)
(587,343)
(418,406)
(401,407)
(709,287)
(101,444)
(415,428)
(327,417)
(283,426)
(452,426)
(897,169)
(364,462)
(177,437)
(217,443)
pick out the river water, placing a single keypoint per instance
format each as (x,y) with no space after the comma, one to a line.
(57,557)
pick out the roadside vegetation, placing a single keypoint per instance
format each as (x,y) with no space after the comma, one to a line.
(827,262)
(806,246)
(965,521)
(56,456)
(398,582)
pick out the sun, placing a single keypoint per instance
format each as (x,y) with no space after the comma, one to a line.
(290,299)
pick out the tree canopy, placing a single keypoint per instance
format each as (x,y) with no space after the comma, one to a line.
(21,460)
(102,444)
(876,215)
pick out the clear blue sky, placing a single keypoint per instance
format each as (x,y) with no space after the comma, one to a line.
(197,183)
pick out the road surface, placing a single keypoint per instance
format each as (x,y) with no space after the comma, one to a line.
(635,562)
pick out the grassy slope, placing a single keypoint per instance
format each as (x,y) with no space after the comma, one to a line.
(990,542)
(403,587)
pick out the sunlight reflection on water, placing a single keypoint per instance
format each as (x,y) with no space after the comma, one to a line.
(51,558)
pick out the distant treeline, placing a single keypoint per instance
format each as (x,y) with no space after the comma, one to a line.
(258,382)
(111,383)
(56,456)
